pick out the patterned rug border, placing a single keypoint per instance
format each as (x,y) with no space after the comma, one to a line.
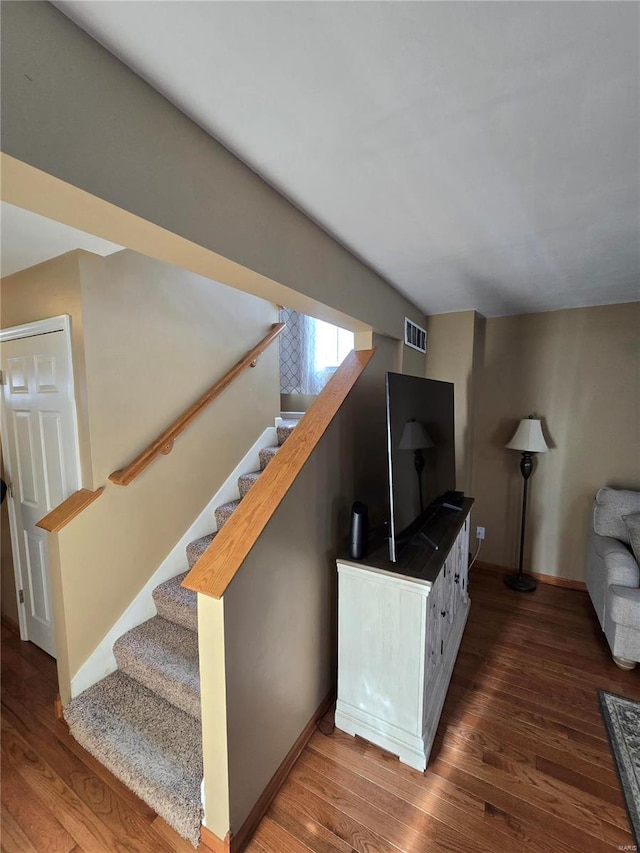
(621,761)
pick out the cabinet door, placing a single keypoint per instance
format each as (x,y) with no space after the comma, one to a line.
(435,623)
(430,638)
(455,585)
(464,560)
(450,607)
(381,628)
(458,575)
(446,602)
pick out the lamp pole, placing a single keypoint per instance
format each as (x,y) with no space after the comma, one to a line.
(520,582)
(529,440)
(418,461)
(415,437)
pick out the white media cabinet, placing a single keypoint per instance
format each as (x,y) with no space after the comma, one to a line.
(399,630)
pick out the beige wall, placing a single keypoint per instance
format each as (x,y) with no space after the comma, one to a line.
(296,402)
(453,342)
(579,370)
(280,613)
(412,362)
(55,77)
(154,339)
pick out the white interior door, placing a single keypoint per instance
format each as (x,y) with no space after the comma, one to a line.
(40,438)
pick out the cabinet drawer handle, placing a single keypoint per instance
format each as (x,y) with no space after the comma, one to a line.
(443,612)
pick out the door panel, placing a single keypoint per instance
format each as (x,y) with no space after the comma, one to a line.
(38,597)
(42,460)
(17,375)
(45,374)
(55,481)
(26,459)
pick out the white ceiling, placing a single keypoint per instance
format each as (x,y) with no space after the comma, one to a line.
(27,239)
(477,154)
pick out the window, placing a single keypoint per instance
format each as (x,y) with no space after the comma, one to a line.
(331,345)
(310,352)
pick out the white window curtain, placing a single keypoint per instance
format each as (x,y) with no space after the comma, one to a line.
(310,352)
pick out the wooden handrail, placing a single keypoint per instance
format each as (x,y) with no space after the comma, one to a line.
(164,443)
(218,565)
(68,510)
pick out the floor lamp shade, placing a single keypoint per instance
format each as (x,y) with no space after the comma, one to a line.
(529,440)
(528,437)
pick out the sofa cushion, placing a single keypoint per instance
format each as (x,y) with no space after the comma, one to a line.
(633,526)
(610,507)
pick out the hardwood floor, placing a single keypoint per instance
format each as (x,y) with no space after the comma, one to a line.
(55,797)
(521,760)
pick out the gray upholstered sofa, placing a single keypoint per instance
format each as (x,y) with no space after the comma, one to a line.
(613,576)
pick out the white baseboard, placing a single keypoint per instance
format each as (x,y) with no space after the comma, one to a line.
(101,662)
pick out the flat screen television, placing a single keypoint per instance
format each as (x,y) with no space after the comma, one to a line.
(420,435)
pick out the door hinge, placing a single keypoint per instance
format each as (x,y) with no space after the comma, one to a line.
(10,489)
(1,377)
(21,596)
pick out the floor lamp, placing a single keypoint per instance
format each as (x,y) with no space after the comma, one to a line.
(415,437)
(529,440)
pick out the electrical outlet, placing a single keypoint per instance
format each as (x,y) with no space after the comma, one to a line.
(479,532)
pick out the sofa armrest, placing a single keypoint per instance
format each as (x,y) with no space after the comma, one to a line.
(624,606)
(605,545)
(619,563)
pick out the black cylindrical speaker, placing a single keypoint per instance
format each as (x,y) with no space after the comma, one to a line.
(358,537)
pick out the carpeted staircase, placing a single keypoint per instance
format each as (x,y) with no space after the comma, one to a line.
(143,720)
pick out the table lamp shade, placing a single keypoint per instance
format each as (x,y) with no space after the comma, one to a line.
(528,437)
(414,437)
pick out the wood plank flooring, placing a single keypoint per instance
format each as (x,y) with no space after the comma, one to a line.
(55,797)
(521,760)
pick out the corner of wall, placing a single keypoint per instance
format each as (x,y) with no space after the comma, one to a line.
(213,689)
(450,358)
(58,603)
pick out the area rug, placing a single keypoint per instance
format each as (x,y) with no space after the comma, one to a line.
(622,722)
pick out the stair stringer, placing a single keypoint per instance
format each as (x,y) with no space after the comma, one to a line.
(101,662)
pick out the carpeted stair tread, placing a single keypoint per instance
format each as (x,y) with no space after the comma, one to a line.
(196,549)
(163,657)
(245,481)
(152,747)
(284,430)
(266,455)
(177,604)
(224,512)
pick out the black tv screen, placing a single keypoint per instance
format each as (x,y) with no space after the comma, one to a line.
(420,423)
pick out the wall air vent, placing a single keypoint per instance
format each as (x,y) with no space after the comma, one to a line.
(414,336)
